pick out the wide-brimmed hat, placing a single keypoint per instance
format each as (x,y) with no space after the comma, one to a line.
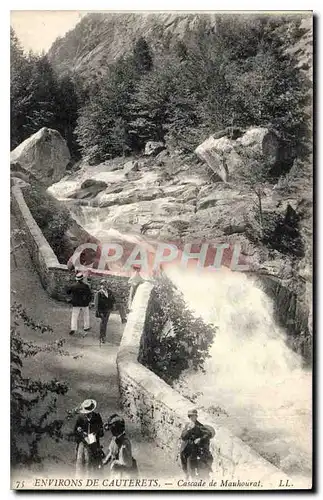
(115,420)
(191,413)
(79,277)
(87,406)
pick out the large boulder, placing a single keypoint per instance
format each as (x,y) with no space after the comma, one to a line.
(88,190)
(44,154)
(130,166)
(152,148)
(226,155)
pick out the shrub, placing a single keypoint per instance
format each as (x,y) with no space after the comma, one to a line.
(281,232)
(52,218)
(174,339)
(33,401)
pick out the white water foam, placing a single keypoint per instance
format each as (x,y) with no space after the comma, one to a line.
(251,373)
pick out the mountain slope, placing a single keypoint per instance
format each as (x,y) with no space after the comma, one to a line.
(100,38)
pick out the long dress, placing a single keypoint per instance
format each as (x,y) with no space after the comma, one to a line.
(122,461)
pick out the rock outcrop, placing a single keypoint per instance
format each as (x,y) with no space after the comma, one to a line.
(44,154)
(88,190)
(226,155)
(180,203)
(152,148)
(130,166)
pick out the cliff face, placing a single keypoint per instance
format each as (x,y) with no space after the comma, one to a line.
(100,38)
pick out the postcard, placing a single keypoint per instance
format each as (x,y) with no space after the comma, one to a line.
(161,213)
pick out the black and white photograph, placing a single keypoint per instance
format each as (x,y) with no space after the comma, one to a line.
(161,250)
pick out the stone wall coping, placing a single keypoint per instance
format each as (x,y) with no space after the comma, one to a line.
(44,248)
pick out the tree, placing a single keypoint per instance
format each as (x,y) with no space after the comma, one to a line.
(238,76)
(142,56)
(181,50)
(33,401)
(175,339)
(150,104)
(67,112)
(254,173)
(267,88)
(20,95)
(43,95)
(102,125)
(38,98)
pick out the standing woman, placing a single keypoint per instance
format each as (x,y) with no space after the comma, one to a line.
(119,457)
(134,282)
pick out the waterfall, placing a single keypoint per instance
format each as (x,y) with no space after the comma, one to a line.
(256,383)
(252,375)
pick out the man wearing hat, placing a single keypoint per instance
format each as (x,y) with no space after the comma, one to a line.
(88,430)
(81,296)
(104,301)
(195,447)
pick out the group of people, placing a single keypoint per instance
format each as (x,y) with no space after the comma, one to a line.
(195,455)
(89,429)
(104,302)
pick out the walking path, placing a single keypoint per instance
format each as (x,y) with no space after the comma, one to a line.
(89,370)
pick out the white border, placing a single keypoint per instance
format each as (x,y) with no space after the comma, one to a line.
(294,5)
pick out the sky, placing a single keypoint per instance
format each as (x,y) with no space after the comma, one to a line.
(37,30)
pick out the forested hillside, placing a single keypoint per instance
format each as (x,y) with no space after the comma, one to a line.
(38,97)
(189,77)
(101,38)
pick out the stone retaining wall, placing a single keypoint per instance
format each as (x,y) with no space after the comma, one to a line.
(56,277)
(161,412)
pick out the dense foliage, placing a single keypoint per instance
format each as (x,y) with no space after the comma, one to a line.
(33,401)
(38,98)
(175,339)
(51,216)
(237,75)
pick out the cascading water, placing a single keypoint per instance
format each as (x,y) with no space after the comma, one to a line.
(251,374)
(258,385)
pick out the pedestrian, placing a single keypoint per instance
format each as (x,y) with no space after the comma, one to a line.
(196,458)
(104,301)
(121,308)
(134,282)
(119,457)
(87,431)
(81,296)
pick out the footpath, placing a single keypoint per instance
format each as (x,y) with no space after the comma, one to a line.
(89,370)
